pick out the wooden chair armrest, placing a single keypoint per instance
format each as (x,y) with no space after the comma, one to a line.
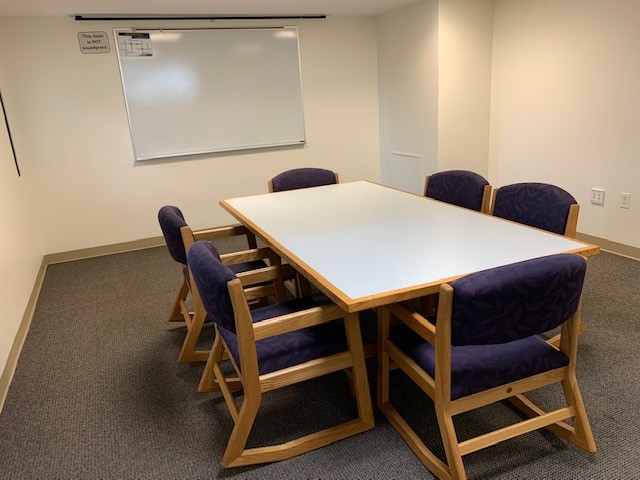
(221,232)
(415,321)
(296,321)
(246,256)
(267,274)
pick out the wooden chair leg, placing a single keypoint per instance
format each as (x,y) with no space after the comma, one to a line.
(208,379)
(370,350)
(176,311)
(450,441)
(383,357)
(241,430)
(188,352)
(262,302)
(303,287)
(429,305)
(583,436)
(555,340)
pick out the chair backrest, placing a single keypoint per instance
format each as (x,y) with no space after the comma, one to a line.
(211,278)
(171,221)
(302,178)
(538,205)
(457,187)
(516,301)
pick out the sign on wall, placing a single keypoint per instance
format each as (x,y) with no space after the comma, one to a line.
(94,42)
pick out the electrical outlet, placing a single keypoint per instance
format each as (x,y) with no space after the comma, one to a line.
(625,200)
(597,196)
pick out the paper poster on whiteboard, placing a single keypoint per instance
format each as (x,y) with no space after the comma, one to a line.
(134,44)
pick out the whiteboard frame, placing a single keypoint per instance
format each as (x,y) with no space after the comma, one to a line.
(138,158)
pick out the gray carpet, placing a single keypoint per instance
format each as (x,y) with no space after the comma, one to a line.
(98,393)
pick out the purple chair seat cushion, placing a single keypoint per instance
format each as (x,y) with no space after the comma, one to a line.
(475,368)
(293,348)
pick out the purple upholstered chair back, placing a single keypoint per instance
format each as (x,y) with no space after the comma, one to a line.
(302,178)
(538,205)
(171,221)
(211,278)
(516,301)
(457,187)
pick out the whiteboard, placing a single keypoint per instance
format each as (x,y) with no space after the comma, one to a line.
(199,91)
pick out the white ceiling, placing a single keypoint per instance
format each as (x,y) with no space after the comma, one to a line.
(219,7)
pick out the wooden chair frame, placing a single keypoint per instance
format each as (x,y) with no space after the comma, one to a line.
(254,385)
(195,320)
(179,311)
(439,389)
(486,195)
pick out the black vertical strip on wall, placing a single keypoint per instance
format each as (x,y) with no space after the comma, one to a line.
(6,121)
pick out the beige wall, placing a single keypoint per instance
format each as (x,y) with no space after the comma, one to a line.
(408,83)
(566,104)
(464,84)
(434,70)
(71,127)
(80,187)
(19,242)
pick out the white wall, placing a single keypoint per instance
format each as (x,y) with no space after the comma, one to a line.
(19,241)
(71,128)
(434,70)
(408,84)
(464,84)
(566,104)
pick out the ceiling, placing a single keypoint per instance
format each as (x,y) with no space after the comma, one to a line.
(216,7)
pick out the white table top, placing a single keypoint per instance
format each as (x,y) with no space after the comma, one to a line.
(366,245)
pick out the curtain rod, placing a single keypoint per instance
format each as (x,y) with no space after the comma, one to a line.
(81,17)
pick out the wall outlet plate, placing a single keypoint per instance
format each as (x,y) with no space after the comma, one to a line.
(597,196)
(625,200)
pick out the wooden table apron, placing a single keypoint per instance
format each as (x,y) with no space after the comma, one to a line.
(366,245)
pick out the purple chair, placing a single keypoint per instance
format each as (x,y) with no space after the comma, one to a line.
(178,237)
(484,347)
(459,187)
(273,347)
(538,205)
(302,178)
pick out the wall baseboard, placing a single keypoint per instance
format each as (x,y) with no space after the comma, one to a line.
(21,336)
(104,250)
(610,246)
(25,323)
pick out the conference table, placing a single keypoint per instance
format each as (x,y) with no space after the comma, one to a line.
(366,245)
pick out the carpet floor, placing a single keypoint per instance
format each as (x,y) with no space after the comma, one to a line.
(98,393)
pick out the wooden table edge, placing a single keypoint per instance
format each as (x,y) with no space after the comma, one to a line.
(353,305)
